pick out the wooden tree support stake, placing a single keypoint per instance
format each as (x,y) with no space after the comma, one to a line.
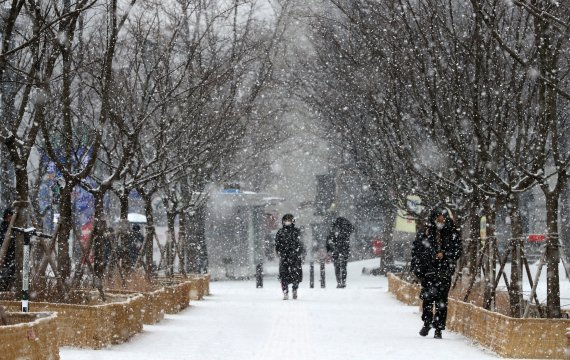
(533,290)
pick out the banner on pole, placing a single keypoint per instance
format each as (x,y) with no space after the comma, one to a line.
(405,222)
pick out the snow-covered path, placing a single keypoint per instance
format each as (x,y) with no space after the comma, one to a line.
(238,321)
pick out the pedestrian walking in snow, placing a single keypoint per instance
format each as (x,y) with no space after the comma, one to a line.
(290,251)
(434,256)
(135,240)
(338,245)
(8,269)
(108,241)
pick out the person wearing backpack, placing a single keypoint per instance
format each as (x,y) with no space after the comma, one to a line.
(338,245)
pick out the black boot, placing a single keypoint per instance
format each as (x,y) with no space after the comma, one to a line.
(425,330)
(437,334)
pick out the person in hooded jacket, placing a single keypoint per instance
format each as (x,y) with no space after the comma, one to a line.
(290,251)
(135,241)
(435,251)
(338,244)
(8,270)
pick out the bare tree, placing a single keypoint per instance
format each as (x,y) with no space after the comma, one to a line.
(548,63)
(73,143)
(27,63)
(434,106)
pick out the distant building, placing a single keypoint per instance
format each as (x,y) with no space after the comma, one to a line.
(237,226)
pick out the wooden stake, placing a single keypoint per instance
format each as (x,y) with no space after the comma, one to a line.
(3,316)
(529,276)
(533,290)
(472,280)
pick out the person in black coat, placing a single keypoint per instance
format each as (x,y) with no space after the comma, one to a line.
(108,239)
(290,251)
(338,244)
(135,241)
(8,270)
(434,256)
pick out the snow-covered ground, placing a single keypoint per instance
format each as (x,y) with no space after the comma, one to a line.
(238,321)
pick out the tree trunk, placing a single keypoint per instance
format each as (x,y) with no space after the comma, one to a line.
(565,223)
(123,234)
(97,236)
(473,242)
(200,249)
(491,215)
(515,291)
(150,233)
(192,245)
(387,257)
(66,224)
(552,257)
(182,240)
(170,240)
(124,205)
(548,53)
(21,219)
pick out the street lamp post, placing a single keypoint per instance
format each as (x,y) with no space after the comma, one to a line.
(28,233)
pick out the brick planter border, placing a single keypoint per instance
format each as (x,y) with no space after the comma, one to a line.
(153,303)
(199,284)
(509,337)
(93,326)
(199,287)
(173,296)
(404,291)
(31,336)
(177,294)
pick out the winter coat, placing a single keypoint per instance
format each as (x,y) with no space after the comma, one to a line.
(435,274)
(136,240)
(338,240)
(109,237)
(291,251)
(9,267)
